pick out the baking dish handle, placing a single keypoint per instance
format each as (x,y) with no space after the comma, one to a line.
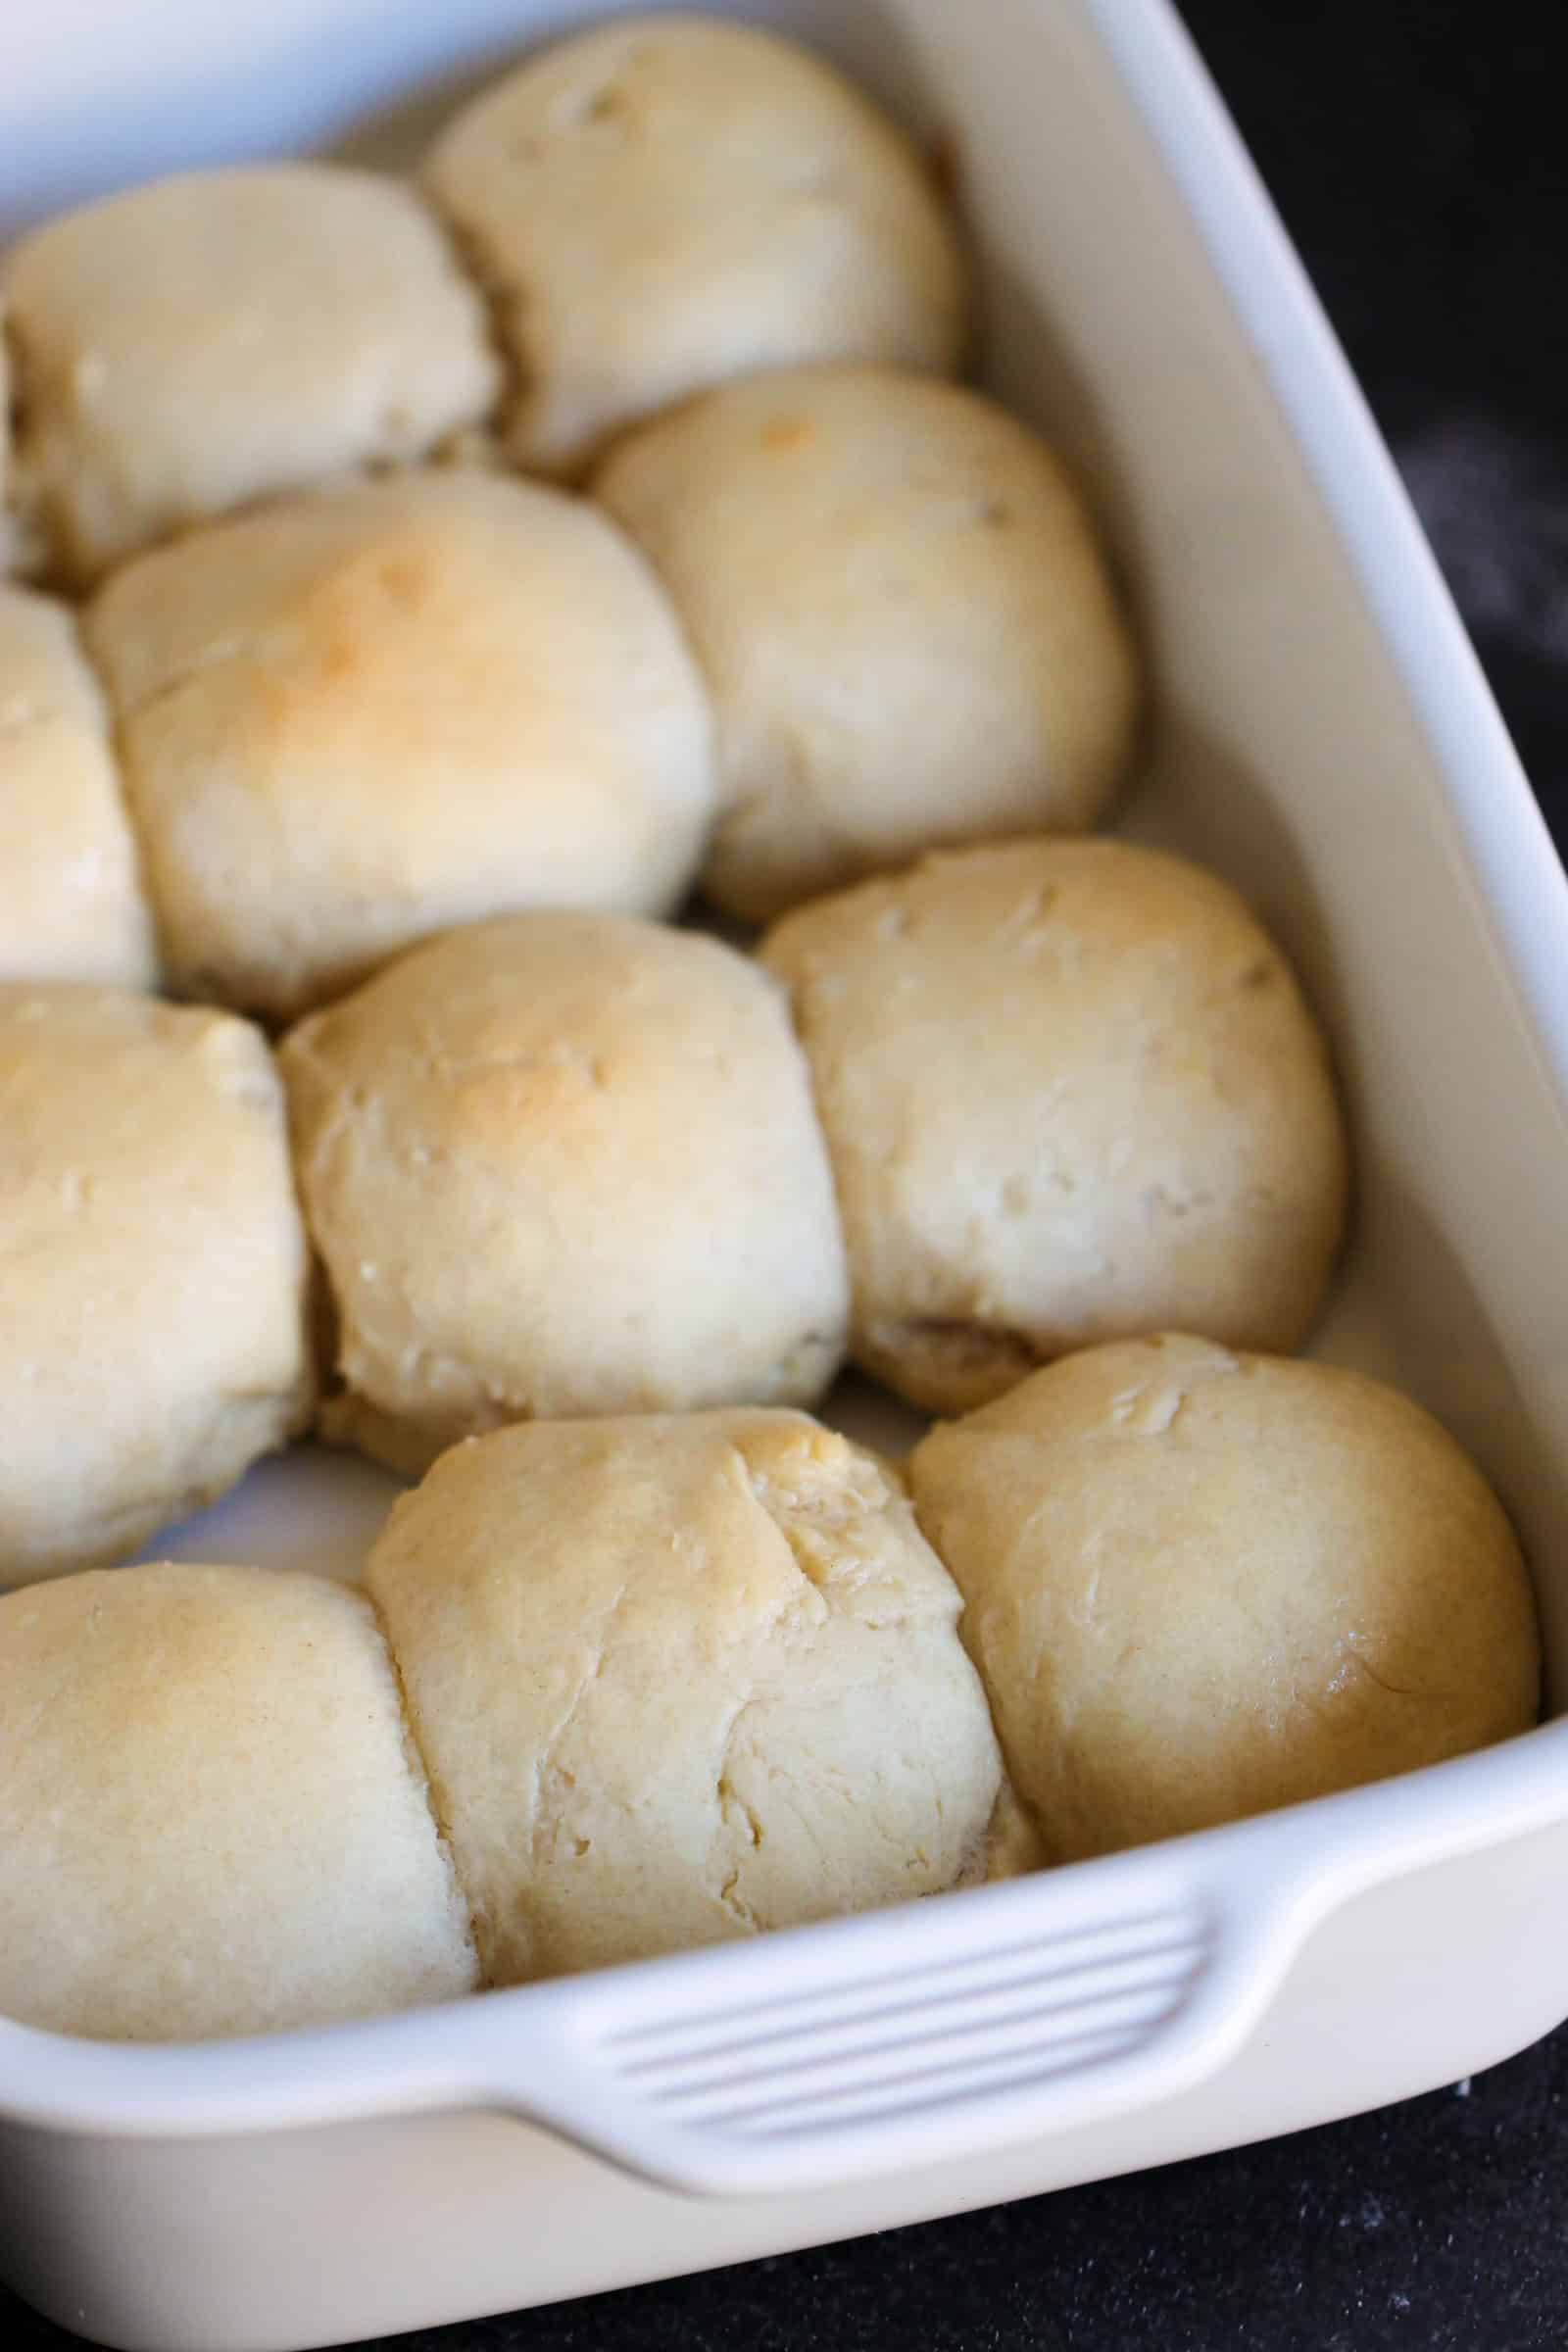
(865,2048)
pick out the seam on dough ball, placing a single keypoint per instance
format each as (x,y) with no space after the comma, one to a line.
(421,1768)
(1010,1845)
(406,1441)
(26,544)
(815,1509)
(505,307)
(730,1805)
(949,1364)
(837,1486)
(798,1016)
(309,1144)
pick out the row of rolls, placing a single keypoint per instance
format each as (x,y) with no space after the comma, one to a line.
(673,557)
(809,626)
(563,1211)
(624,1686)
(948,1124)
(421,587)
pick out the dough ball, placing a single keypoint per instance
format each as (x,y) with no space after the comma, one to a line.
(1071,1093)
(215,1822)
(1199,1585)
(151,1270)
(562,1164)
(681,1680)
(187,345)
(351,719)
(905,621)
(71,899)
(663,202)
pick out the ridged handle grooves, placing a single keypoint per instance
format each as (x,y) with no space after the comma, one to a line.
(849,2054)
(867,2047)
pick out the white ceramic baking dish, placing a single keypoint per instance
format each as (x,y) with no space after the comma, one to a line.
(1324,737)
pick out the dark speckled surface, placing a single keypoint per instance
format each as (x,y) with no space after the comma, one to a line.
(1416,149)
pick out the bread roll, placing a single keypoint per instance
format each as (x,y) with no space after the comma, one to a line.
(208,339)
(663,202)
(1071,1093)
(905,622)
(563,1164)
(681,1680)
(152,1300)
(351,719)
(70,899)
(1200,1584)
(215,1822)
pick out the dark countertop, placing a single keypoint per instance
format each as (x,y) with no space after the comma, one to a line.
(1416,150)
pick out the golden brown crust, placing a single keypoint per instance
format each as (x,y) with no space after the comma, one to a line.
(351,719)
(561,1164)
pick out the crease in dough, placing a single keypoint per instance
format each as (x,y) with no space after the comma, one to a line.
(666,1670)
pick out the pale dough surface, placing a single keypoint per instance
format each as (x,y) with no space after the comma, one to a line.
(665,201)
(1072,1093)
(215,1823)
(1200,1584)
(72,905)
(678,1681)
(186,346)
(151,1270)
(905,624)
(563,1164)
